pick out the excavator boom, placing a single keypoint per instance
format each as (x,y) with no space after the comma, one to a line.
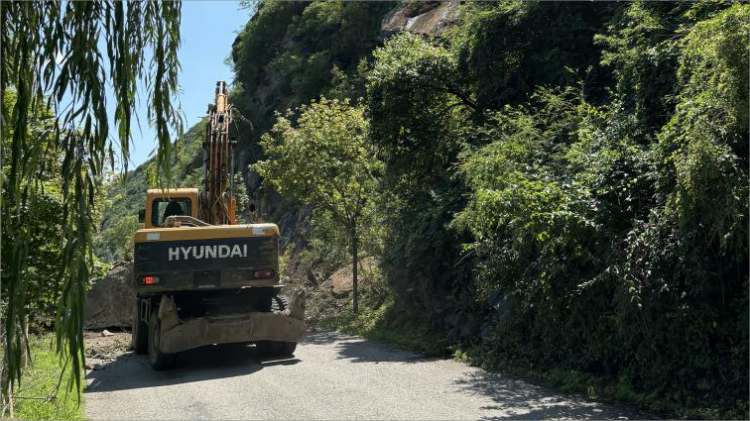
(217,202)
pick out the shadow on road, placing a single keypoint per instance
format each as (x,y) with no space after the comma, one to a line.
(192,366)
(361,350)
(520,400)
(131,371)
(510,398)
(498,396)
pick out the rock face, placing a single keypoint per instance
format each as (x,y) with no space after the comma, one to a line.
(110,301)
(426,18)
(341,280)
(291,226)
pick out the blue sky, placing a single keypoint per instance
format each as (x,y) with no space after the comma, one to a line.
(208,30)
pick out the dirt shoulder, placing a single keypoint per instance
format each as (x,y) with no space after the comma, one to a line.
(104,346)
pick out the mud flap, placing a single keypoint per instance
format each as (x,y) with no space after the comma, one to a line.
(168,313)
(297,302)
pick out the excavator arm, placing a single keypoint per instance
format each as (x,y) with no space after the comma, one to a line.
(217,201)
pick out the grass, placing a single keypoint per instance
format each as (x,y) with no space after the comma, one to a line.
(36,399)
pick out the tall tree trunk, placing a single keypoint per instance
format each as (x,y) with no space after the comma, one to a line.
(25,340)
(6,390)
(9,398)
(355,265)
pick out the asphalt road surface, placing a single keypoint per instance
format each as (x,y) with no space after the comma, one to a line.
(332,376)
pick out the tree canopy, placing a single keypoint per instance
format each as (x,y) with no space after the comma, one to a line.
(324,159)
(57,59)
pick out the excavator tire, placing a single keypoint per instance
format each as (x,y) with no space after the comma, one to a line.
(275,348)
(279,303)
(286,349)
(139,332)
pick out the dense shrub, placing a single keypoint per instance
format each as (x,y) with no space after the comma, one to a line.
(608,247)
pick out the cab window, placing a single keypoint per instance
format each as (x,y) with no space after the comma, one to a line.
(163,208)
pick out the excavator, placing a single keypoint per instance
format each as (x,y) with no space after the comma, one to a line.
(202,279)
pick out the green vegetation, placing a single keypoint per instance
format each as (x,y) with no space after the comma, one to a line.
(324,160)
(553,207)
(56,143)
(563,191)
(126,194)
(386,324)
(290,53)
(37,397)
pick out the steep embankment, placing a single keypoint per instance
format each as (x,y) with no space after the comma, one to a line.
(565,184)
(288,54)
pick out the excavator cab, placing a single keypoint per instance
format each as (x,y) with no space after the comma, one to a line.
(161,204)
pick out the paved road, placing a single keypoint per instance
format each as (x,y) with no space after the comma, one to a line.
(332,376)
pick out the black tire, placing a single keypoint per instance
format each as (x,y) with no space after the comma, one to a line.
(267,348)
(275,348)
(139,333)
(279,303)
(268,301)
(263,299)
(159,360)
(287,349)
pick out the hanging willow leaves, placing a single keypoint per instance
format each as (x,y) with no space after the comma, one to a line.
(60,57)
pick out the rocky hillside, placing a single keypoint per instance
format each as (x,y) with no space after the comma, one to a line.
(564,188)
(273,78)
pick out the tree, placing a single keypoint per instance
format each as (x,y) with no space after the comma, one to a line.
(116,243)
(290,53)
(51,61)
(419,107)
(324,159)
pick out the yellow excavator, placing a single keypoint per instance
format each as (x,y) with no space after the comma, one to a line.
(202,279)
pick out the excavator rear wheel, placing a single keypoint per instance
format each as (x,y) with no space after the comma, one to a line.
(139,333)
(275,348)
(287,349)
